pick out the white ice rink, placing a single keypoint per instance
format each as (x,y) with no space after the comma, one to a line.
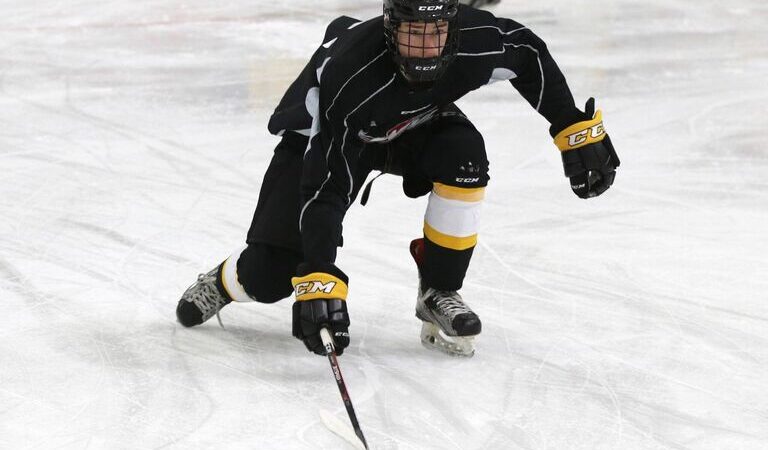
(132,145)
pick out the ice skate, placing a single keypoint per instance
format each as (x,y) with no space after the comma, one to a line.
(450,326)
(202,300)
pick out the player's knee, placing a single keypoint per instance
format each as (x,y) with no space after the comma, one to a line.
(265,272)
(462,160)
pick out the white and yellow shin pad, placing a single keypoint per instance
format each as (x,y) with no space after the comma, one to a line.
(229,278)
(451,221)
(453,216)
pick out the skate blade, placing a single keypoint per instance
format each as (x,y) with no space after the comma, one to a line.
(431,338)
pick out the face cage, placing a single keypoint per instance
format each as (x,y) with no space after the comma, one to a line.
(423,69)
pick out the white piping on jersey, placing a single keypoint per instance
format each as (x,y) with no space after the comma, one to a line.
(317,193)
(346,132)
(330,43)
(354,25)
(495,28)
(349,80)
(541,69)
(497,52)
(415,110)
(328,153)
(501,52)
(327,177)
(321,69)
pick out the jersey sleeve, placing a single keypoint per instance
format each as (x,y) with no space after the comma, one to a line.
(326,185)
(325,188)
(536,75)
(330,163)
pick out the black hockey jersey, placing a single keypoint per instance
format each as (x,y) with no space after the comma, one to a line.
(350,95)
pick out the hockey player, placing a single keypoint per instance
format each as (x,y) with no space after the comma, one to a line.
(378,95)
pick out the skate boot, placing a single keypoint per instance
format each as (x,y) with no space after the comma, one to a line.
(449,324)
(203,299)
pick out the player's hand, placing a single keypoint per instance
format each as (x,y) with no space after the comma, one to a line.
(321,293)
(312,315)
(589,158)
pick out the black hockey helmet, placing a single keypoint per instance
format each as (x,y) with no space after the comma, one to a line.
(430,54)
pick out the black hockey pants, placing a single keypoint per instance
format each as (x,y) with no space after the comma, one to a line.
(434,153)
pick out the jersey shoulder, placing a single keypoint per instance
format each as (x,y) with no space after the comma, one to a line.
(352,39)
(338,26)
(471,17)
(357,45)
(480,31)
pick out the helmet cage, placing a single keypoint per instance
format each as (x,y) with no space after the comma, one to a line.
(418,15)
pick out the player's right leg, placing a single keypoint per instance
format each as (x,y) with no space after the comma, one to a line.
(262,271)
(203,299)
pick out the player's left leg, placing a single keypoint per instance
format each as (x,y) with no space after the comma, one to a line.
(454,159)
(453,163)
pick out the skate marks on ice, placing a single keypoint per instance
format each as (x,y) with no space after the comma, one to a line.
(641,345)
(638,353)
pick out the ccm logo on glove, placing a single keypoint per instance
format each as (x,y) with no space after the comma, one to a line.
(313,287)
(581,134)
(319,285)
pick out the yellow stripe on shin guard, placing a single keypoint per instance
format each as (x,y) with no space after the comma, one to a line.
(452,216)
(447,241)
(459,193)
(319,285)
(581,134)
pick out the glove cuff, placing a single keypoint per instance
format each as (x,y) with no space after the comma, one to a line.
(566,119)
(323,281)
(581,134)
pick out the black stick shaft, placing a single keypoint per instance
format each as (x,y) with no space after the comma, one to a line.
(328,342)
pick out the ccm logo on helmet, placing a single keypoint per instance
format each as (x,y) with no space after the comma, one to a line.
(313,287)
(431,8)
(582,136)
(426,68)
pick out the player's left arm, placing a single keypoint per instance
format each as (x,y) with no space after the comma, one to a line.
(589,159)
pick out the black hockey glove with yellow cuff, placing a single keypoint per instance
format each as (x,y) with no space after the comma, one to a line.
(588,155)
(321,294)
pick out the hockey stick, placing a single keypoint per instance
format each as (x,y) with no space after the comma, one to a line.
(331,352)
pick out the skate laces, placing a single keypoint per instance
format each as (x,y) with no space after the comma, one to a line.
(451,303)
(206,296)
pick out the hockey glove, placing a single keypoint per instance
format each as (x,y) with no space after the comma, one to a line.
(588,156)
(321,293)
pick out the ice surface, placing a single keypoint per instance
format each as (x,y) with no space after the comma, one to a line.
(132,144)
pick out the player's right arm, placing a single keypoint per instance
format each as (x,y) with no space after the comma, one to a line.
(320,286)
(326,185)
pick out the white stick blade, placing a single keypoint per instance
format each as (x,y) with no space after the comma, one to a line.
(341,429)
